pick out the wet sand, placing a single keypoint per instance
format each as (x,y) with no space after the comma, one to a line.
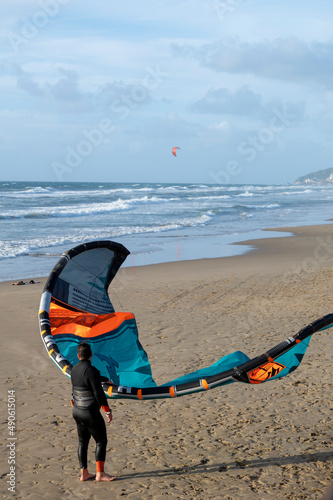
(238,441)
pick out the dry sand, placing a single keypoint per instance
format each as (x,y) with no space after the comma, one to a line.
(236,442)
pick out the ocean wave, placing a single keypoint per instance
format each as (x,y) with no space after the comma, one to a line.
(290,193)
(53,193)
(210,197)
(265,207)
(252,208)
(247,194)
(245,215)
(31,192)
(65,191)
(31,246)
(80,210)
(105,193)
(38,189)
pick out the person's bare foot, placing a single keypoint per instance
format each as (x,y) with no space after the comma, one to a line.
(103,476)
(85,475)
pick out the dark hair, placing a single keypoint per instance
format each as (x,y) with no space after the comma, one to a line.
(84,350)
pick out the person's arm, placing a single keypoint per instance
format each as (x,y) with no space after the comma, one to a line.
(94,378)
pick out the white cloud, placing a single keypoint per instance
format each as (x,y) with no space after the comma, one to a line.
(288,59)
(223,101)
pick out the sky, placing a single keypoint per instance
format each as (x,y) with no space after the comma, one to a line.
(103,92)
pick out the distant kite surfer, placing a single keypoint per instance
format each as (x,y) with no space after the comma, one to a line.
(87,399)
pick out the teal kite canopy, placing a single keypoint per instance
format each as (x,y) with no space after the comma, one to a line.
(75,306)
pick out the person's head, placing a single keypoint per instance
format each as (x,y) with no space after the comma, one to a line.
(84,351)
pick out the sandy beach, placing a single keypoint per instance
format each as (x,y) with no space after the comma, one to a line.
(235,442)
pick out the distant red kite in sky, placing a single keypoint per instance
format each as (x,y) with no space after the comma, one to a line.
(174,151)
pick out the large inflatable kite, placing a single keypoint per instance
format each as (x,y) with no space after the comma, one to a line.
(75,306)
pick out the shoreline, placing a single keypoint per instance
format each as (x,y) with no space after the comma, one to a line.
(247,441)
(303,243)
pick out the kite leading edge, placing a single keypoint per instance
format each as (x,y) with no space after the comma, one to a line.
(75,306)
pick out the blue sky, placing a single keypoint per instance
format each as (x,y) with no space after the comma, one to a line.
(103,92)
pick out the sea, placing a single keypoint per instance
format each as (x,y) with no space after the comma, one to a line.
(157,222)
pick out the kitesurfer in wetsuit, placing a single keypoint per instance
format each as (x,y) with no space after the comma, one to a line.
(87,399)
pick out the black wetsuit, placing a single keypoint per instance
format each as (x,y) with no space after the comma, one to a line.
(88,397)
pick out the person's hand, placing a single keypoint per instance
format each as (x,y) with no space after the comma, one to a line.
(109,417)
